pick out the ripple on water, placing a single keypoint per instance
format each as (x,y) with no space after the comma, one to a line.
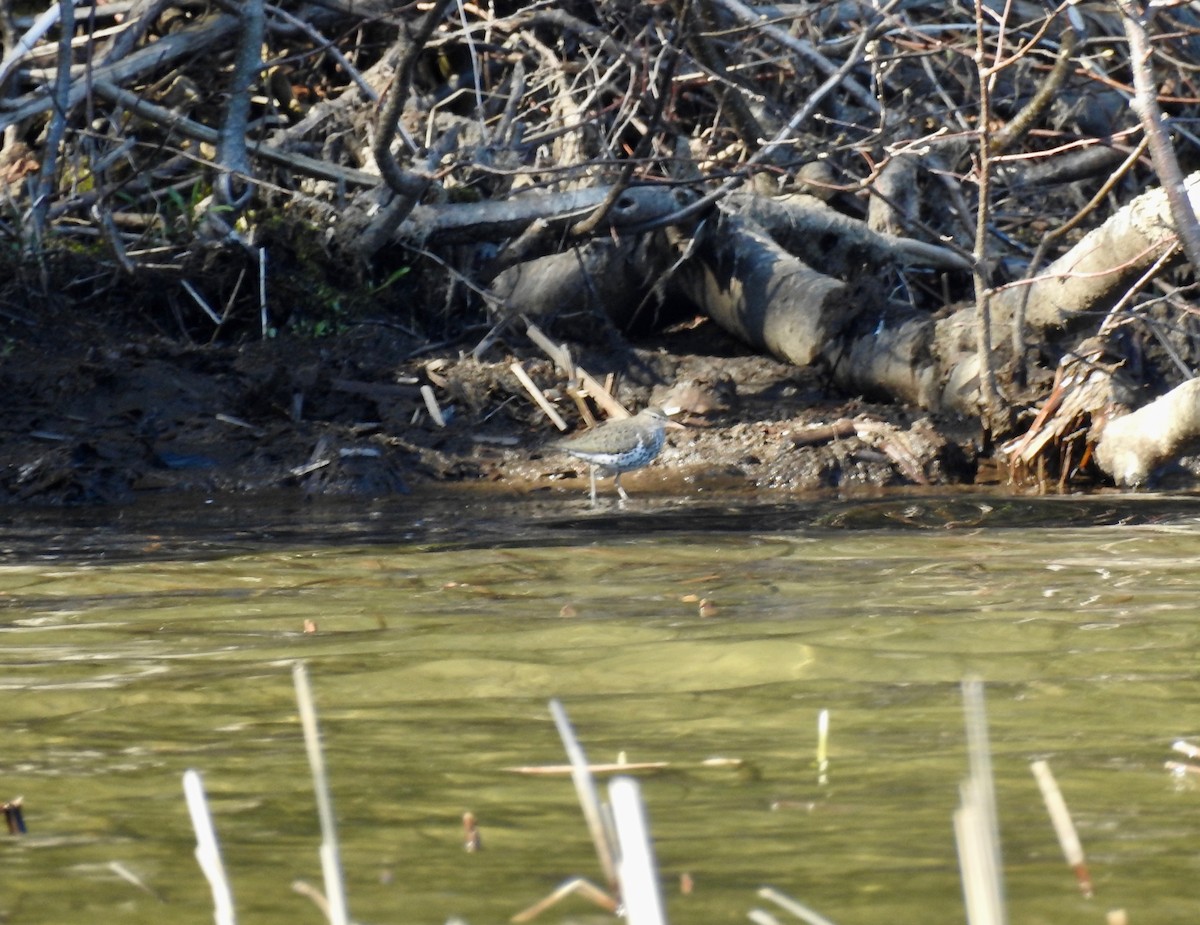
(432,665)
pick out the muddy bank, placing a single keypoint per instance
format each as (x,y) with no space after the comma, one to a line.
(98,412)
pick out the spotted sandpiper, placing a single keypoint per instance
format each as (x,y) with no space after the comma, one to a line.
(620,446)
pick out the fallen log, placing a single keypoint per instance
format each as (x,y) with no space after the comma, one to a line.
(760,293)
(893,360)
(615,277)
(839,244)
(1094,274)
(1132,446)
(469,222)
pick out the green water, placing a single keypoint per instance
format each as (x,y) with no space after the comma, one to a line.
(136,648)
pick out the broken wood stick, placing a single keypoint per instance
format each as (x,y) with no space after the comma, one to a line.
(536,394)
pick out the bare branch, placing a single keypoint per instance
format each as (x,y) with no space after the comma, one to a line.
(1166,165)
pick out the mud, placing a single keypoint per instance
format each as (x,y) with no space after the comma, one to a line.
(102,411)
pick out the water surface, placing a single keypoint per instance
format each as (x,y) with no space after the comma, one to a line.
(139,643)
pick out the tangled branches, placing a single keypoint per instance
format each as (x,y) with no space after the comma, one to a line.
(990,135)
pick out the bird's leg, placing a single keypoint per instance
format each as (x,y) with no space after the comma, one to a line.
(593,472)
(620,490)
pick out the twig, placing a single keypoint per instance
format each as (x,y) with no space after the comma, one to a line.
(432,406)
(58,121)
(981,272)
(585,227)
(562,359)
(165,51)
(326,46)
(1035,263)
(43,24)
(331,865)
(264,319)
(238,422)
(200,300)
(408,186)
(208,854)
(584,888)
(300,163)
(707,53)
(558,354)
(805,49)
(310,467)
(601,395)
(108,228)
(787,133)
(140,17)
(1166,164)
(1047,92)
(536,394)
(231,148)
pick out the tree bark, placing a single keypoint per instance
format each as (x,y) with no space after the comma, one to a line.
(761,294)
(1131,447)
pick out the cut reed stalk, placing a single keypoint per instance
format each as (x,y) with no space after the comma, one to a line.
(331,865)
(636,866)
(976,828)
(794,906)
(823,747)
(574,886)
(1064,826)
(979,756)
(589,798)
(982,889)
(208,854)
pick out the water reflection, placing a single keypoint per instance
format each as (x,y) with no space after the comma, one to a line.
(435,651)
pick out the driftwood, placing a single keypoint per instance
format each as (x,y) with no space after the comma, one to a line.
(1093,280)
(1095,273)
(457,223)
(839,244)
(892,360)
(640,155)
(760,293)
(601,277)
(1131,447)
